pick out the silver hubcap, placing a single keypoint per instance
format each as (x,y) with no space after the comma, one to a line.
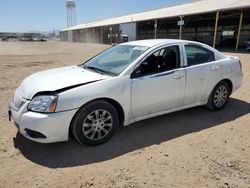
(220,96)
(97,124)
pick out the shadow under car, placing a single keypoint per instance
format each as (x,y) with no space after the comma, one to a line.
(139,135)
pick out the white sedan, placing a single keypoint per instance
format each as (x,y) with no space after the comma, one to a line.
(124,84)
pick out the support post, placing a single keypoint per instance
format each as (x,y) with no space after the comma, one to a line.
(111,35)
(167,30)
(180,34)
(155,25)
(215,28)
(87,35)
(239,29)
(101,35)
(196,30)
(67,18)
(93,38)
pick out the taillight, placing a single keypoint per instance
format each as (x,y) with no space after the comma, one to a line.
(240,66)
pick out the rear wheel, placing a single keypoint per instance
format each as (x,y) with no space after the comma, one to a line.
(219,96)
(95,123)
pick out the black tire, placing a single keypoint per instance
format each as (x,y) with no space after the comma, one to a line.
(89,121)
(212,102)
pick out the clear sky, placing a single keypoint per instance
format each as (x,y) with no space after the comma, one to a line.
(46,15)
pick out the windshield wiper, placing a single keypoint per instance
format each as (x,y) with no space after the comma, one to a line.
(95,69)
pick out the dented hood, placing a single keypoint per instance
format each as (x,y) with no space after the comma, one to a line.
(56,79)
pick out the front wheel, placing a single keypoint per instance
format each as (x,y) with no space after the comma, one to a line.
(219,96)
(95,123)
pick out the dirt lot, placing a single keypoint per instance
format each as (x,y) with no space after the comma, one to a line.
(191,148)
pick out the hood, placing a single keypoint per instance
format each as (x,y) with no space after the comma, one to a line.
(56,79)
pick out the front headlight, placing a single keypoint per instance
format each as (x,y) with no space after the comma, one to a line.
(43,103)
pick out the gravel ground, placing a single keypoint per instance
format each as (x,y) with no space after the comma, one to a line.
(190,148)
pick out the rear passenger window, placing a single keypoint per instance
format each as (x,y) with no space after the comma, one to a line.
(198,55)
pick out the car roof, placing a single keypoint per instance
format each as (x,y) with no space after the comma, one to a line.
(153,42)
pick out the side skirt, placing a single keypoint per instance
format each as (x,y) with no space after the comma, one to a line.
(163,112)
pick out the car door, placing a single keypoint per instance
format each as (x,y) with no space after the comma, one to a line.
(203,72)
(158,83)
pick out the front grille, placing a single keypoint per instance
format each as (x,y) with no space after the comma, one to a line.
(17,102)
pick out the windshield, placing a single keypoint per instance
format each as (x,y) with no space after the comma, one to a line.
(114,60)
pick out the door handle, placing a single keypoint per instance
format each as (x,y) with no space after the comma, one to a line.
(215,67)
(178,76)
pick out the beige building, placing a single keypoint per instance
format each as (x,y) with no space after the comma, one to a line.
(224,23)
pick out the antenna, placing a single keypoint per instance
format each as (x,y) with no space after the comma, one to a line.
(71,13)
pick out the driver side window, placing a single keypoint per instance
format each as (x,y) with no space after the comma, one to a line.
(162,60)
